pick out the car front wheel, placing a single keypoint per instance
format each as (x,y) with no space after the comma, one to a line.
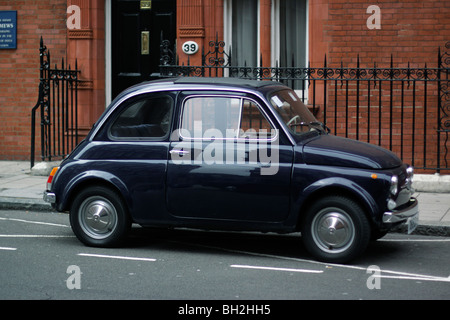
(335,230)
(99,217)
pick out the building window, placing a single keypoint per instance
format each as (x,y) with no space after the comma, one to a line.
(290,34)
(241,31)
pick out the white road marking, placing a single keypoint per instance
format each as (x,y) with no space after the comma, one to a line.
(7,248)
(394,274)
(275,269)
(33,236)
(415,277)
(116,257)
(415,240)
(35,222)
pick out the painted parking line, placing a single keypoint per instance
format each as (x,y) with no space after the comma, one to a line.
(384,273)
(416,277)
(8,248)
(116,257)
(415,240)
(275,268)
(36,222)
(33,236)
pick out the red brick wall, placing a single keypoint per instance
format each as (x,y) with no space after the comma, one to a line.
(19,70)
(411,31)
(199,21)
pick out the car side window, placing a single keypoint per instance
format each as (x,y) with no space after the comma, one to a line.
(148,117)
(224,117)
(203,115)
(253,123)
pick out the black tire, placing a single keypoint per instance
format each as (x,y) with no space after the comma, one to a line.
(377,234)
(99,217)
(335,229)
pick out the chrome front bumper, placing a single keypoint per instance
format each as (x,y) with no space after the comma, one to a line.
(407,211)
(49,197)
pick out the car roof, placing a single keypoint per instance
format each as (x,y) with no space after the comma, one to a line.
(225,81)
(194,83)
(209,82)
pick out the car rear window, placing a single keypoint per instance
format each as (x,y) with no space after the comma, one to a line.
(147,117)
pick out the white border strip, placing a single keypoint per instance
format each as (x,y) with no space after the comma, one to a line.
(35,222)
(116,257)
(275,269)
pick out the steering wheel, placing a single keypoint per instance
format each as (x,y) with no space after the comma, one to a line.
(293,119)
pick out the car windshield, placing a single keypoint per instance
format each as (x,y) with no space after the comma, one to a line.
(294,113)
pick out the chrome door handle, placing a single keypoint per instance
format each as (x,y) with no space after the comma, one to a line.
(179,151)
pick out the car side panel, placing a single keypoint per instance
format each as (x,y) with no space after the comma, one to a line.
(136,169)
(311,181)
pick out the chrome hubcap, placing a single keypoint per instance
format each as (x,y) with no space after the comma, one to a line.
(333,230)
(98,217)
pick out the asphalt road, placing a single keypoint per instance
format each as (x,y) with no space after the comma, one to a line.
(41,259)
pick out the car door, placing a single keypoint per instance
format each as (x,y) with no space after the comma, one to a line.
(135,145)
(226,162)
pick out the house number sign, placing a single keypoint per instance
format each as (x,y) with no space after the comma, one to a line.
(190,47)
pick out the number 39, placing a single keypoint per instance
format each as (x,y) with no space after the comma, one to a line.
(190,47)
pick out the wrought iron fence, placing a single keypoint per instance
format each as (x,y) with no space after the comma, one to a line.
(58,106)
(405,109)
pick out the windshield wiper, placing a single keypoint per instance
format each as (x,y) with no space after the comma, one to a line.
(303,124)
(322,125)
(312,125)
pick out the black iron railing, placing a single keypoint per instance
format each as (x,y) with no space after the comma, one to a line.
(57,108)
(405,109)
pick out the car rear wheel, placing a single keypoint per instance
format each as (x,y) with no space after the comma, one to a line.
(335,230)
(99,217)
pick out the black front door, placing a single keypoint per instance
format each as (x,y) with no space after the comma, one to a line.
(137,28)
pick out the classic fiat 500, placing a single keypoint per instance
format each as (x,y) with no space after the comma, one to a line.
(229,154)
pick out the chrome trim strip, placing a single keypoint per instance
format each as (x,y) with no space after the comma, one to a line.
(170,85)
(396,216)
(49,197)
(237,139)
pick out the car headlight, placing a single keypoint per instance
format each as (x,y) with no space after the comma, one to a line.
(394,185)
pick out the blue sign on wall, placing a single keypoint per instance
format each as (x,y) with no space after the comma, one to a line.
(8,29)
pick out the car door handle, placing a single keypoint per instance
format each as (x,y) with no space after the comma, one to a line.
(179,151)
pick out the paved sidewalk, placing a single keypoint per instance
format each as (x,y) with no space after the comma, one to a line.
(22,190)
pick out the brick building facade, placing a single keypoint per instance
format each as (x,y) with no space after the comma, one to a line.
(260,32)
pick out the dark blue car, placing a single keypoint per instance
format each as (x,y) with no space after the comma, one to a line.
(229,154)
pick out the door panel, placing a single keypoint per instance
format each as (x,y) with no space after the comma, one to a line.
(226,165)
(131,26)
(228,190)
